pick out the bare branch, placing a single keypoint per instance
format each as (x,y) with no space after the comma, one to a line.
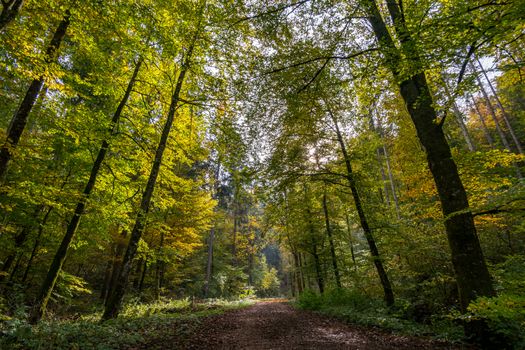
(323,58)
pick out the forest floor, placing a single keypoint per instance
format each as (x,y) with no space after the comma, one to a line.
(275,324)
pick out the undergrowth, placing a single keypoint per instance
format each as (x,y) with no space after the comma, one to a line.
(138,324)
(352,307)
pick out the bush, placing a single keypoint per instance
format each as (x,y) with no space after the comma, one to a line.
(505,318)
(357,308)
(309,300)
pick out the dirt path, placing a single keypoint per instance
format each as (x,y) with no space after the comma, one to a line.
(276,325)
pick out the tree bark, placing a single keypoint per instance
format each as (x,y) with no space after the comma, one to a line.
(19,120)
(60,255)
(471,272)
(331,242)
(10,9)
(114,303)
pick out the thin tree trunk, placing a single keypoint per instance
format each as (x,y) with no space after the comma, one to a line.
(331,241)
(11,258)
(137,274)
(143,276)
(490,108)
(60,255)
(10,9)
(297,272)
(318,270)
(15,268)
(351,241)
(209,263)
(459,117)
(19,120)
(385,154)
(301,271)
(115,301)
(383,276)
(503,111)
(486,132)
(120,247)
(392,183)
(470,269)
(37,243)
(107,279)
(234,236)
(158,267)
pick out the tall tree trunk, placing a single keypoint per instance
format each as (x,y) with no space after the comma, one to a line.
(234,236)
(37,243)
(158,267)
(331,241)
(209,263)
(20,240)
(490,108)
(15,268)
(384,152)
(378,263)
(137,274)
(143,275)
(318,269)
(486,131)
(10,9)
(504,114)
(459,117)
(114,303)
(297,272)
(351,241)
(60,255)
(120,247)
(19,120)
(11,258)
(104,291)
(391,180)
(471,272)
(315,254)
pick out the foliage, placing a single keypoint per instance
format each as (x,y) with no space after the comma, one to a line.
(505,316)
(356,308)
(141,322)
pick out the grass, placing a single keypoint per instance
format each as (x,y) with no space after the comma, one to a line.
(138,324)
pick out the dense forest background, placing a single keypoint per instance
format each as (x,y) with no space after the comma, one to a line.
(357,155)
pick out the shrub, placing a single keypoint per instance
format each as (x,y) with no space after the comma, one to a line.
(505,317)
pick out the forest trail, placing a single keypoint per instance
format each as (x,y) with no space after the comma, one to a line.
(277,325)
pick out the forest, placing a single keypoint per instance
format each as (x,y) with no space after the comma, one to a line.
(164,162)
